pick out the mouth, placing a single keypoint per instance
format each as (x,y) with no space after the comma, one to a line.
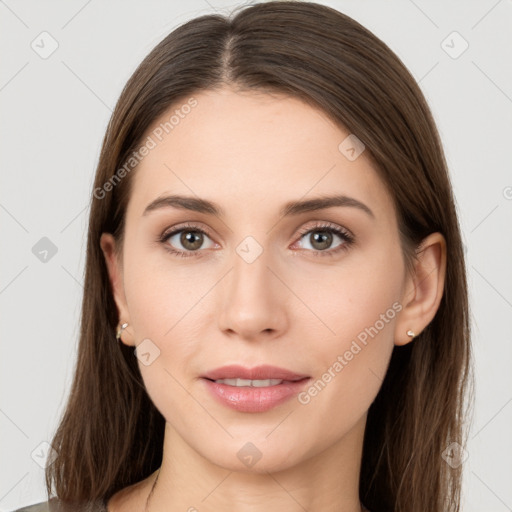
(236,375)
(256,383)
(253,390)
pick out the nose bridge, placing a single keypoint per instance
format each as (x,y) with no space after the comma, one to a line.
(253,296)
(250,272)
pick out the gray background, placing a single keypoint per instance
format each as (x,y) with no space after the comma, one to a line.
(54,114)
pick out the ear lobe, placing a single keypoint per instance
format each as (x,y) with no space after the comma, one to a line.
(424,289)
(115,272)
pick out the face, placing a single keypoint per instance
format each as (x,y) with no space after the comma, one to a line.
(318,292)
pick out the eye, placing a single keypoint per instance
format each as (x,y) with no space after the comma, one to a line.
(321,237)
(190,237)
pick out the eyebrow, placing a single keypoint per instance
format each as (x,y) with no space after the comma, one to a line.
(291,208)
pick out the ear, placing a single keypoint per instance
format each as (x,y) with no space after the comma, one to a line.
(423,290)
(115,272)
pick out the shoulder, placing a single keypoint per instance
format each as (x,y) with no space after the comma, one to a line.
(38,507)
(56,505)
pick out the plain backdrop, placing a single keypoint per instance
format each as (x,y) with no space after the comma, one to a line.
(54,112)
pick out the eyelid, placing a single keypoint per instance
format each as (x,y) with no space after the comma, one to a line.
(319,224)
(181,227)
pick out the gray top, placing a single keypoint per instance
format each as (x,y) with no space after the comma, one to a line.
(56,505)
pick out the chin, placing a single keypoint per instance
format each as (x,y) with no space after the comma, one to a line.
(254,454)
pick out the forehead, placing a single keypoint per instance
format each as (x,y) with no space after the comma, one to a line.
(251,149)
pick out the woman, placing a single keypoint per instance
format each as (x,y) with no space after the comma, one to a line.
(273,230)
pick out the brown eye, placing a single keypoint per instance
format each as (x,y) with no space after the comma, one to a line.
(186,241)
(191,240)
(322,237)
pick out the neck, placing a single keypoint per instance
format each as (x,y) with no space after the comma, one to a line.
(326,481)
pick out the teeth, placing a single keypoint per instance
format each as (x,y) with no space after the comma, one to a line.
(251,383)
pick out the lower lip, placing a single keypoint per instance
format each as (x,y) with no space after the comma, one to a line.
(251,399)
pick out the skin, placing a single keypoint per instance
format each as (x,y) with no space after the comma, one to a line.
(251,152)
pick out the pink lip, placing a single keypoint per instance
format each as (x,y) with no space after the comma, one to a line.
(252,399)
(257,373)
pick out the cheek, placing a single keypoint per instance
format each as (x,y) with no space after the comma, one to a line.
(163,309)
(161,295)
(358,308)
(166,305)
(358,294)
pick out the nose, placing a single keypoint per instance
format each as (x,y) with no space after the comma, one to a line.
(254,300)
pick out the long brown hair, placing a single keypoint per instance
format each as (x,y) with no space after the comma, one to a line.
(111,435)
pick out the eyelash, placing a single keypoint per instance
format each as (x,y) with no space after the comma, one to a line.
(326,226)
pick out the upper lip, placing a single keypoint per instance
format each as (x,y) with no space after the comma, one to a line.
(263,372)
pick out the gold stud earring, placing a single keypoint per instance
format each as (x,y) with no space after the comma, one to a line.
(120,330)
(410,333)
